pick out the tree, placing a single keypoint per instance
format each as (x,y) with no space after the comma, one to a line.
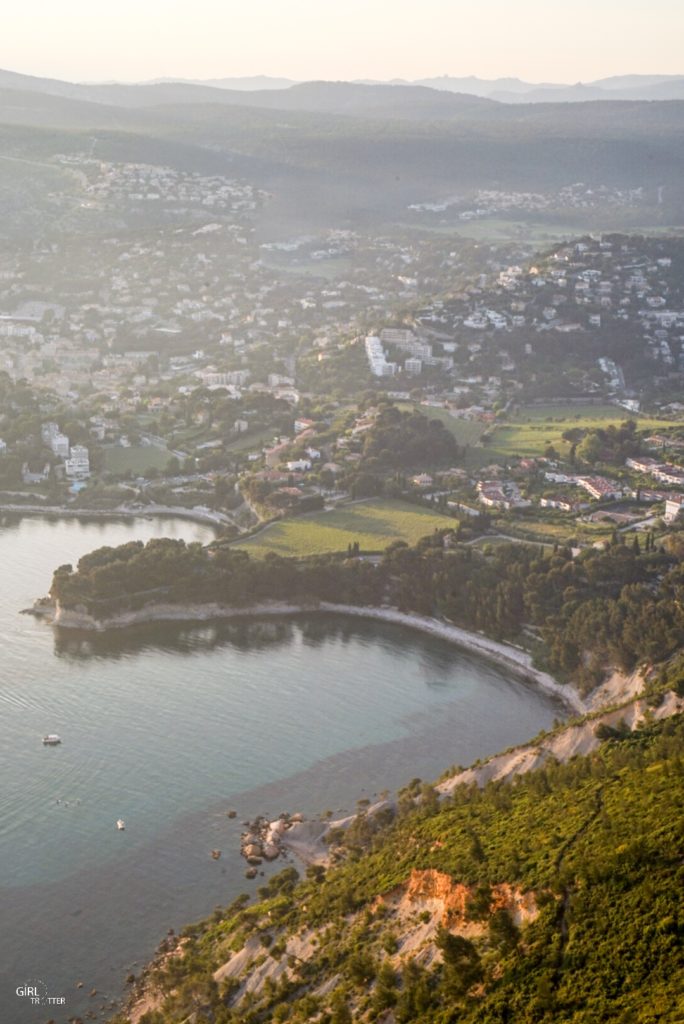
(462,967)
(341,1013)
(590,449)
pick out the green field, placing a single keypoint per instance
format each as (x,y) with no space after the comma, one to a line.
(330,269)
(137,459)
(464,431)
(534,428)
(374,524)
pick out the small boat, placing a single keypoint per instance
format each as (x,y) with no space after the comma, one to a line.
(52,739)
(121,824)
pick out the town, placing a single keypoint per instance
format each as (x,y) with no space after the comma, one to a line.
(183,363)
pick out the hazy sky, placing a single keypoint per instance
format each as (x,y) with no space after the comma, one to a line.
(540,40)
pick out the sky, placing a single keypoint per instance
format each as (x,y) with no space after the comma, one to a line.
(537,40)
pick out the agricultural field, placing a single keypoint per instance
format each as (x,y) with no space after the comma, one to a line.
(533,429)
(136,459)
(375,524)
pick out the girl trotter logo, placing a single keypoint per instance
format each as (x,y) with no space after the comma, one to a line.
(36,992)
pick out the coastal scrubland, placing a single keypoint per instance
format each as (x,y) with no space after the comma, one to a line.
(553,900)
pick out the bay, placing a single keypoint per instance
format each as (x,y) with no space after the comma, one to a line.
(170,725)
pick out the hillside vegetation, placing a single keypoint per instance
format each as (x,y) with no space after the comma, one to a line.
(554,900)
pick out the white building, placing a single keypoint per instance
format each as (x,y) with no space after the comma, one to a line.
(60,446)
(377,361)
(77,466)
(674,507)
(397,335)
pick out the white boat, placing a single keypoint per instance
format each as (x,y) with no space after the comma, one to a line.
(121,824)
(52,739)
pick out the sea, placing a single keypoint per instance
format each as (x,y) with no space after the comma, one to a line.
(170,726)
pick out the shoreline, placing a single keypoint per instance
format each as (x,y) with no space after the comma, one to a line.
(207,518)
(505,655)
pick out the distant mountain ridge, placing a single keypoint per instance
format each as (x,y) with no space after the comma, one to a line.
(504,90)
(265,90)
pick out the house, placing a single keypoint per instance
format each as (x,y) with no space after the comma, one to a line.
(302,424)
(298,465)
(600,488)
(59,443)
(39,477)
(559,502)
(492,494)
(458,506)
(668,474)
(674,507)
(642,464)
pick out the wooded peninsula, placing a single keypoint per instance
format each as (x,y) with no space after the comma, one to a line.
(619,606)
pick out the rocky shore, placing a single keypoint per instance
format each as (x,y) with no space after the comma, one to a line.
(265,840)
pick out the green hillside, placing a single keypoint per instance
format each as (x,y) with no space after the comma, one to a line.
(555,900)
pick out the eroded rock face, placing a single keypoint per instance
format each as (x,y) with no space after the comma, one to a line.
(430,884)
(438,891)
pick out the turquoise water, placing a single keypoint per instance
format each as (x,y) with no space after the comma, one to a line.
(168,726)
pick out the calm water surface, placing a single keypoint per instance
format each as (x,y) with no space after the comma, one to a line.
(169,726)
